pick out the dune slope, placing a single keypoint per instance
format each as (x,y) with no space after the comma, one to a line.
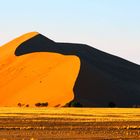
(34,69)
(36,77)
(103,78)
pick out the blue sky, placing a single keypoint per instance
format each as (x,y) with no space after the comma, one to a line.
(109,25)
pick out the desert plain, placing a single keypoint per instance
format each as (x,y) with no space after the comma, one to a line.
(69,123)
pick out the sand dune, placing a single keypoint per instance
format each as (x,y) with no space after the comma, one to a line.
(103,78)
(34,68)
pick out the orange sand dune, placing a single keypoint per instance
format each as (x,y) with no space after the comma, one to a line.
(36,77)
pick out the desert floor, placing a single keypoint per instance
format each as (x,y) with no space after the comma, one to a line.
(69,123)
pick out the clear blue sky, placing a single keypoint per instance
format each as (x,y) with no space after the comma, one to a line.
(109,25)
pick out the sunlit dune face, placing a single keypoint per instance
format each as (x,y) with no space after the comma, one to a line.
(36,77)
(8,49)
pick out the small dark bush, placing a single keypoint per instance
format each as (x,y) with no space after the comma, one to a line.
(41,104)
(73,104)
(38,104)
(44,104)
(27,105)
(136,106)
(111,104)
(20,105)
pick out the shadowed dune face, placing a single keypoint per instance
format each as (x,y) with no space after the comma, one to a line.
(36,77)
(103,78)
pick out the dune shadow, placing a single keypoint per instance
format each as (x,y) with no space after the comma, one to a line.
(102,77)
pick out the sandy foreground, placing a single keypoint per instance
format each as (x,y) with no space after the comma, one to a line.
(69,123)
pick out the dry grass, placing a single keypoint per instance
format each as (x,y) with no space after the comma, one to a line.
(69,123)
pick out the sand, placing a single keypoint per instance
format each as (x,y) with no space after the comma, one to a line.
(102,78)
(69,123)
(36,77)
(33,68)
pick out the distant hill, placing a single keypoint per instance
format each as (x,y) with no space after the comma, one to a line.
(101,78)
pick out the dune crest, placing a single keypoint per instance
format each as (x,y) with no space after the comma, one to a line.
(9,48)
